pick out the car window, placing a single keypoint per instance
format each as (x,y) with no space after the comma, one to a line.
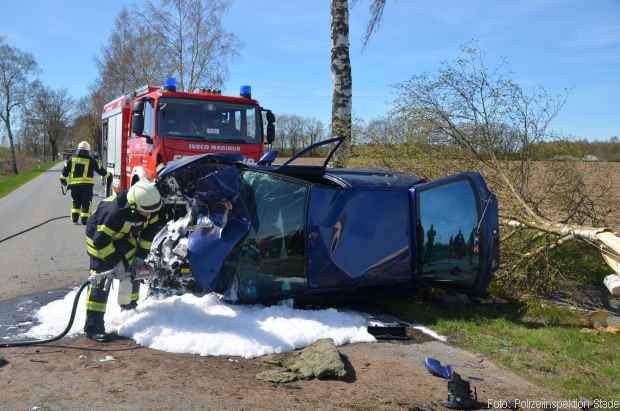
(447,243)
(271,260)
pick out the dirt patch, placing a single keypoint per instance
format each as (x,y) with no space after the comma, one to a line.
(121,375)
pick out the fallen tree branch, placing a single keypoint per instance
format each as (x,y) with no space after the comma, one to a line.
(542,249)
(602,238)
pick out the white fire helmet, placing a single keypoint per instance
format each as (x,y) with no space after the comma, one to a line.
(84,146)
(144,196)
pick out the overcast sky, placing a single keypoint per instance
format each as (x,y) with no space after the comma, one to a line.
(560,44)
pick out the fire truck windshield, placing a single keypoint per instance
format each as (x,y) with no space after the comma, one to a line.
(207,121)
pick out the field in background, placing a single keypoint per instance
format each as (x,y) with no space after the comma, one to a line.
(594,172)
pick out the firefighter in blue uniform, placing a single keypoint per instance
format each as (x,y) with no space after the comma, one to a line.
(118,237)
(77,175)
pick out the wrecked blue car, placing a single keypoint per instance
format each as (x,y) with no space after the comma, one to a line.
(263,232)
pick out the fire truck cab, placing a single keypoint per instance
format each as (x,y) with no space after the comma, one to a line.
(154,125)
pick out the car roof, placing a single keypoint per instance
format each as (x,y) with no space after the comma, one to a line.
(373,177)
(346,177)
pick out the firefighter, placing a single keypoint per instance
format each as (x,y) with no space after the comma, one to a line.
(79,171)
(118,237)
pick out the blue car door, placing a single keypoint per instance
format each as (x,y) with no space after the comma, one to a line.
(455,233)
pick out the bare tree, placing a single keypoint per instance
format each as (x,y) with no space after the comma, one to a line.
(133,56)
(489,122)
(290,132)
(52,110)
(296,132)
(192,34)
(314,131)
(86,124)
(376,14)
(29,132)
(16,71)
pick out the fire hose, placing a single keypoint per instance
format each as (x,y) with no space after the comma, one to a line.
(23,343)
(105,274)
(64,192)
(33,227)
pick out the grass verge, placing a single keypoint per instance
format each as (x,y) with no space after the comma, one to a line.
(546,344)
(10,183)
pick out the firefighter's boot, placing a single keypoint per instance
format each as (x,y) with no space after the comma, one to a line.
(131,306)
(95,328)
(75,215)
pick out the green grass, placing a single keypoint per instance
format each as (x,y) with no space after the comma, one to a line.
(543,343)
(12,182)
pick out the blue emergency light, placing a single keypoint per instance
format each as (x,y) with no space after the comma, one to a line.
(170,84)
(246,91)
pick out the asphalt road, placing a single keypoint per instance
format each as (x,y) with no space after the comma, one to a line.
(49,257)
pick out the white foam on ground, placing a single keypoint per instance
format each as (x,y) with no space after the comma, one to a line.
(207,326)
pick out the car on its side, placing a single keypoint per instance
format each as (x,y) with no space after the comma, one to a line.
(259,232)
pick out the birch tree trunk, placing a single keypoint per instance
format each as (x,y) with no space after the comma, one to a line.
(341,78)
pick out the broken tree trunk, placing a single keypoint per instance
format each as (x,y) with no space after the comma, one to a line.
(610,249)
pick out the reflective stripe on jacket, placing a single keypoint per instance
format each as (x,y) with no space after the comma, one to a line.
(115,232)
(81,167)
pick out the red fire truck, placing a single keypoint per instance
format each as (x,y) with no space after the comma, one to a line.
(154,125)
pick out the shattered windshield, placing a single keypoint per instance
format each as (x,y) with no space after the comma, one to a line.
(207,121)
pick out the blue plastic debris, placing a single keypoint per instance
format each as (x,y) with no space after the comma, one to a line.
(438,370)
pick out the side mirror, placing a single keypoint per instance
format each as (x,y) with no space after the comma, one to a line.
(137,124)
(271,133)
(271,128)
